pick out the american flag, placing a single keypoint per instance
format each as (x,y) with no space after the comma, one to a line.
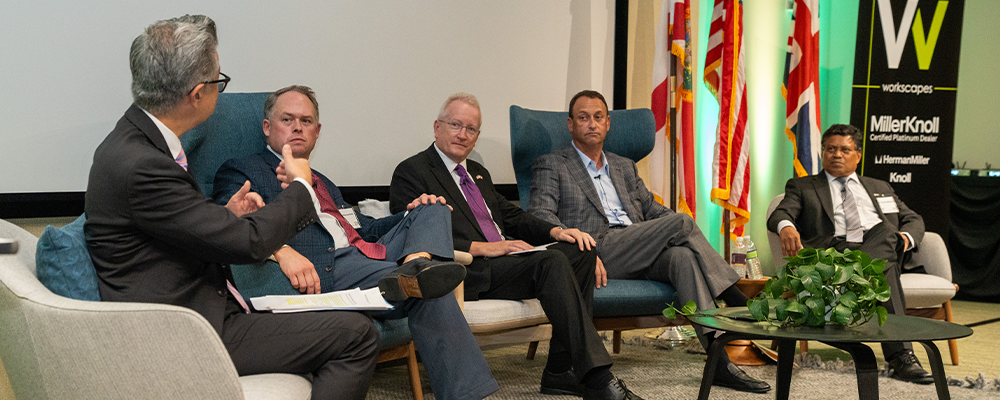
(726,77)
(801,87)
(673,36)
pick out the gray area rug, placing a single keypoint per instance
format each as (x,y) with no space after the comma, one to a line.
(656,373)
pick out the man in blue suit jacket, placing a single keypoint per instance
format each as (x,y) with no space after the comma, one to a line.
(322,259)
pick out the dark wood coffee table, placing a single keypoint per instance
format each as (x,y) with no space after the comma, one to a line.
(738,324)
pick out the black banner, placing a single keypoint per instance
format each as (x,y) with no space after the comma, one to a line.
(904,92)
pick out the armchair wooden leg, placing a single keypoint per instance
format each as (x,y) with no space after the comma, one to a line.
(952,344)
(803,346)
(414,372)
(617,342)
(532,348)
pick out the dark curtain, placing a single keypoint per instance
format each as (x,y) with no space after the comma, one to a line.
(974,238)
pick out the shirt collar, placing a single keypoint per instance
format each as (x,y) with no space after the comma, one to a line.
(173,142)
(276,154)
(852,177)
(587,161)
(449,164)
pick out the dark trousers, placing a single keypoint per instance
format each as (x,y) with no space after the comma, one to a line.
(562,279)
(337,347)
(455,365)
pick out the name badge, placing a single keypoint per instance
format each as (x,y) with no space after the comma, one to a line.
(887,204)
(351,217)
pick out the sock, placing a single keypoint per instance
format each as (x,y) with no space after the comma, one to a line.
(598,377)
(559,362)
(733,297)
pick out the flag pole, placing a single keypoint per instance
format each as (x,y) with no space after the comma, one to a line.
(726,233)
(671,95)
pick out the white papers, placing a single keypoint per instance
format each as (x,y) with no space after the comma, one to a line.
(539,248)
(353,299)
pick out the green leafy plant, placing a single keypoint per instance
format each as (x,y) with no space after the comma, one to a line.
(819,286)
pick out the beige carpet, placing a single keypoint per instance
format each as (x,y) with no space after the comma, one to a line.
(655,373)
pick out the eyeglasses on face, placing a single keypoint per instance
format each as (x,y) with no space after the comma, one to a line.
(457,127)
(221,82)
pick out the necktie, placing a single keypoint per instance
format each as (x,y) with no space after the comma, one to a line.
(475,199)
(854,232)
(182,160)
(375,251)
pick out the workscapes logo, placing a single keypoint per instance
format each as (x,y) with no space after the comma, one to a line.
(924,43)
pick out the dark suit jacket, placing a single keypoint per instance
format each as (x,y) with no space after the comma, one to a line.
(426,173)
(313,242)
(154,237)
(809,206)
(562,192)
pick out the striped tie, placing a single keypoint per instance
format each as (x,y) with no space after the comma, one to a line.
(374,251)
(182,160)
(854,232)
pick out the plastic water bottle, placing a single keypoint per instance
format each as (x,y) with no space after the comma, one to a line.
(738,258)
(753,263)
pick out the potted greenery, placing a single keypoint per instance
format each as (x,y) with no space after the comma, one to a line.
(819,286)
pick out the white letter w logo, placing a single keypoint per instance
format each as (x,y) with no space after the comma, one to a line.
(894,41)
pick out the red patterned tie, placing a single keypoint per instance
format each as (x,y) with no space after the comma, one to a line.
(375,251)
(183,162)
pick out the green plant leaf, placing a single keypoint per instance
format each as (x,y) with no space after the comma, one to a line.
(842,315)
(882,315)
(815,320)
(858,279)
(780,310)
(689,308)
(878,266)
(758,309)
(842,275)
(816,305)
(882,293)
(796,285)
(794,307)
(670,312)
(849,300)
(812,281)
(826,271)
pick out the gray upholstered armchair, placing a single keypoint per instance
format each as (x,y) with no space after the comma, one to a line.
(623,304)
(54,347)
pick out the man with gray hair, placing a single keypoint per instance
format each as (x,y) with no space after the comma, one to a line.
(323,257)
(155,238)
(494,231)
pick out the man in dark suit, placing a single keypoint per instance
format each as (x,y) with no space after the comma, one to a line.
(582,186)
(489,227)
(837,208)
(321,258)
(155,238)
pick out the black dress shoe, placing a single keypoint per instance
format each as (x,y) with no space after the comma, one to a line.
(615,390)
(421,278)
(731,376)
(563,383)
(906,367)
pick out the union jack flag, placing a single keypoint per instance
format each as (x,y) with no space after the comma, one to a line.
(801,88)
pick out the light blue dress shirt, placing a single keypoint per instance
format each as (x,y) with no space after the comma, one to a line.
(613,209)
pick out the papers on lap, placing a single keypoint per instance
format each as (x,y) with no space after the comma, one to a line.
(353,299)
(539,248)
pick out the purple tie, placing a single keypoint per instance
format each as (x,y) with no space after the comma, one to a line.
(478,205)
(182,160)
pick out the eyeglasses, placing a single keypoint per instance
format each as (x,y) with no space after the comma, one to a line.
(457,127)
(834,149)
(222,82)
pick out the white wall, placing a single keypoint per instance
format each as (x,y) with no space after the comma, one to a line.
(381,70)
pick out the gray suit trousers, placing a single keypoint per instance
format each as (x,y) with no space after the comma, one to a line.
(668,249)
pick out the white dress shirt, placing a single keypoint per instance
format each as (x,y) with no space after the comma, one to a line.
(329,222)
(612,204)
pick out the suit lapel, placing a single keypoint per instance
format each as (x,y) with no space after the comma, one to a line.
(148,128)
(822,187)
(453,192)
(869,187)
(583,179)
(619,181)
